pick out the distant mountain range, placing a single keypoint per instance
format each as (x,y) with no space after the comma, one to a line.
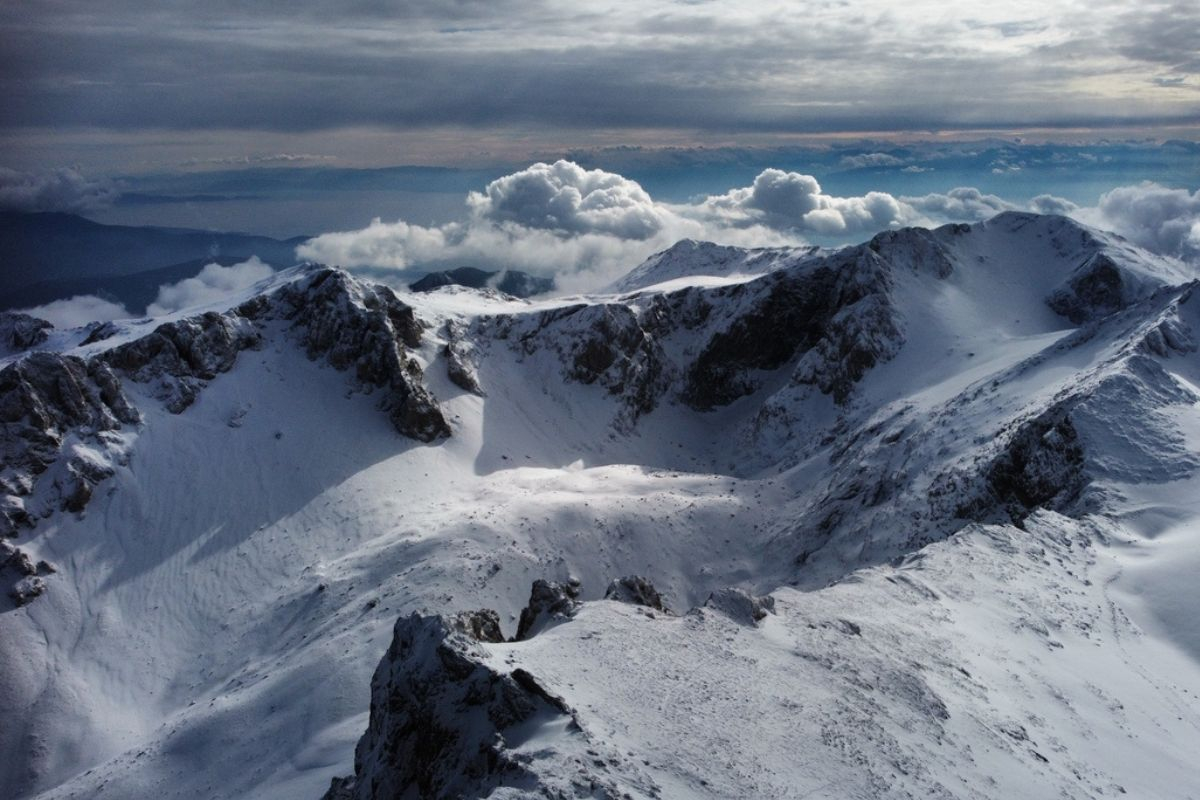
(45,256)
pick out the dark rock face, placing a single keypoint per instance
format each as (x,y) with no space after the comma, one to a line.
(460,359)
(180,357)
(635,590)
(838,316)
(1096,290)
(548,601)
(43,397)
(921,247)
(740,606)
(363,329)
(19,576)
(1041,466)
(513,282)
(438,715)
(20,332)
(354,327)
(605,345)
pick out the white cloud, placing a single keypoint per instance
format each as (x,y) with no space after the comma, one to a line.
(62,189)
(1156,217)
(963,204)
(791,201)
(587,227)
(213,283)
(78,311)
(1049,204)
(566,198)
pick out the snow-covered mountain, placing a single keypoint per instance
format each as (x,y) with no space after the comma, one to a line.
(916,518)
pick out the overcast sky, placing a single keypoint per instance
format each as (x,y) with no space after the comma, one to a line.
(148,85)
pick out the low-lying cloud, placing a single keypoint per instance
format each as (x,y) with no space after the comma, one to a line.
(77,311)
(589,226)
(1156,217)
(62,189)
(213,283)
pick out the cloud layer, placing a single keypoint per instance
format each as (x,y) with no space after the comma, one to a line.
(77,311)
(54,190)
(589,226)
(640,64)
(214,282)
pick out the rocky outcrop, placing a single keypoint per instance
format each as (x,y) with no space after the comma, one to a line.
(549,601)
(635,590)
(460,356)
(836,319)
(359,328)
(741,606)
(1096,290)
(21,579)
(603,344)
(45,397)
(178,358)
(363,329)
(20,332)
(511,282)
(439,715)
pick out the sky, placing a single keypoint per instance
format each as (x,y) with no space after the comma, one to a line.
(317,118)
(145,85)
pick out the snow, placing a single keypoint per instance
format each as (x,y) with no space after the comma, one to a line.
(226,596)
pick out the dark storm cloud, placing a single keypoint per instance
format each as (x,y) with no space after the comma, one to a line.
(814,67)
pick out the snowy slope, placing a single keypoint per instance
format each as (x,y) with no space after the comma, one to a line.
(960,462)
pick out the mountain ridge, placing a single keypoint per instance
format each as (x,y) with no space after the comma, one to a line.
(920,422)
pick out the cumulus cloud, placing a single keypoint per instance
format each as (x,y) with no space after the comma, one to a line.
(585,226)
(1154,216)
(964,204)
(62,189)
(567,198)
(589,226)
(1049,204)
(77,311)
(793,201)
(213,283)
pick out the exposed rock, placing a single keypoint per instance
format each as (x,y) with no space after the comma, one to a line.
(19,577)
(363,328)
(43,398)
(636,590)
(180,357)
(99,331)
(438,716)
(482,625)
(512,282)
(920,248)
(837,319)
(20,332)
(549,601)
(1041,466)
(603,344)
(460,354)
(740,606)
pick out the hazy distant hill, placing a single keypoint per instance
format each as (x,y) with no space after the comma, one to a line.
(53,248)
